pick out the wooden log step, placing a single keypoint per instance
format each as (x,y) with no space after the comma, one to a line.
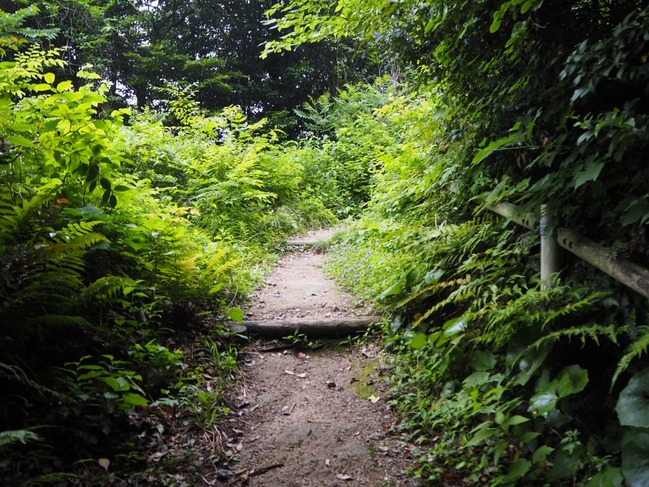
(321,328)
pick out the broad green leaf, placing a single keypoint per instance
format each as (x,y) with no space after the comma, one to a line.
(49,78)
(481,360)
(19,140)
(633,404)
(482,434)
(235,314)
(611,477)
(419,341)
(21,127)
(133,399)
(571,380)
(635,456)
(514,420)
(41,87)
(542,453)
(519,468)
(493,146)
(477,379)
(590,172)
(118,384)
(454,326)
(395,288)
(63,86)
(543,403)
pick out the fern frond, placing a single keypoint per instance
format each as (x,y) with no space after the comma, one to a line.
(573,307)
(109,287)
(638,348)
(429,290)
(16,374)
(15,219)
(11,437)
(81,234)
(591,332)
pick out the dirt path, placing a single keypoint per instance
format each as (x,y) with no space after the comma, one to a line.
(314,418)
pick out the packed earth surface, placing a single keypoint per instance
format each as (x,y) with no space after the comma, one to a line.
(313,412)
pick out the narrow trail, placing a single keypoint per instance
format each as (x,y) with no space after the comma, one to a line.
(310,417)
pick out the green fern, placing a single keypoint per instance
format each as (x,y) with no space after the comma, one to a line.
(638,348)
(110,287)
(16,374)
(11,437)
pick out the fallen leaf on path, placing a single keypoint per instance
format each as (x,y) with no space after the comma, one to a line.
(104,462)
(303,356)
(344,477)
(301,376)
(374,399)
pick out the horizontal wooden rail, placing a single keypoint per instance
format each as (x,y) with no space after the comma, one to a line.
(512,213)
(606,260)
(628,273)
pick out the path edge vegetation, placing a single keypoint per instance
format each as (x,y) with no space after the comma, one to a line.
(127,237)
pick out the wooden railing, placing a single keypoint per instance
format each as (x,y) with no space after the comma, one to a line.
(553,239)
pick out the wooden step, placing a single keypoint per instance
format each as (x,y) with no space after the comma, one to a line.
(321,327)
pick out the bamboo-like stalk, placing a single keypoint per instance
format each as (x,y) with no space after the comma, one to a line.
(628,273)
(551,253)
(511,212)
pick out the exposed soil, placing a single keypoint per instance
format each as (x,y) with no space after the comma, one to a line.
(314,417)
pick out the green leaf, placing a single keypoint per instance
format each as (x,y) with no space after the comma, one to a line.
(19,140)
(495,25)
(41,87)
(477,379)
(63,86)
(519,468)
(395,288)
(418,341)
(590,172)
(455,326)
(633,404)
(481,360)
(611,477)
(133,399)
(118,384)
(635,456)
(514,420)
(235,314)
(493,146)
(543,403)
(484,433)
(542,453)
(49,78)
(571,380)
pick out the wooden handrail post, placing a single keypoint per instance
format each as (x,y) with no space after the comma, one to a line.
(551,253)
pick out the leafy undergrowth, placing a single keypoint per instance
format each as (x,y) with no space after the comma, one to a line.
(100,434)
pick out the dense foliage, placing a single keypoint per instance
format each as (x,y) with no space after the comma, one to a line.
(537,102)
